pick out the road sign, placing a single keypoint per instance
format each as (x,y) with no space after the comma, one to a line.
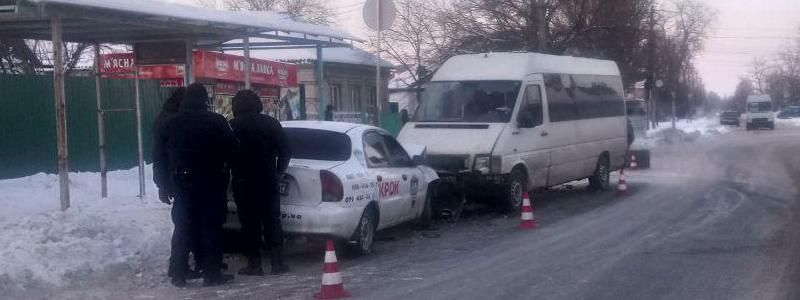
(382,21)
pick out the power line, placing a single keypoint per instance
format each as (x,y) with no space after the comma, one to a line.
(756,37)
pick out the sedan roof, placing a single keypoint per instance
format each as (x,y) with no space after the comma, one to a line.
(324,125)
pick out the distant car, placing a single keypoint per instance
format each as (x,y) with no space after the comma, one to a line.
(730,118)
(790,113)
(759,112)
(346,181)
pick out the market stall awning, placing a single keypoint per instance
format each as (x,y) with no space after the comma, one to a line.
(128,21)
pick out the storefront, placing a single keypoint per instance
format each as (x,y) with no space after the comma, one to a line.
(223,75)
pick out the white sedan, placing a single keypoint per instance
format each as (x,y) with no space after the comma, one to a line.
(346,181)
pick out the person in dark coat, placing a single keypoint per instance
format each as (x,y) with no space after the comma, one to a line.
(161,174)
(264,158)
(196,146)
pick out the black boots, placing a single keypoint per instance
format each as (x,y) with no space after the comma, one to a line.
(217,279)
(178,281)
(278,267)
(253,267)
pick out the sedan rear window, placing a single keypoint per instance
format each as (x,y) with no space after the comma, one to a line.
(318,144)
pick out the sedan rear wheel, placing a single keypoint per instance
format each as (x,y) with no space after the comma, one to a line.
(365,233)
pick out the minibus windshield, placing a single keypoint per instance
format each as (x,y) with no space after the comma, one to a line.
(759,107)
(468,101)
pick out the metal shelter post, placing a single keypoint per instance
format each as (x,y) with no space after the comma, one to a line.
(61,113)
(320,82)
(378,99)
(248,66)
(139,146)
(188,76)
(101,124)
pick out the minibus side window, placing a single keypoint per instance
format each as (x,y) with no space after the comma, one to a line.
(530,112)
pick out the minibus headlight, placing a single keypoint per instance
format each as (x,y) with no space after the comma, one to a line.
(483,164)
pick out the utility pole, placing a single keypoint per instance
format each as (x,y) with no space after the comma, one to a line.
(541,25)
(651,63)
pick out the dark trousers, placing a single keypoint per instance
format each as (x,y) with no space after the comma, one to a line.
(259,210)
(198,215)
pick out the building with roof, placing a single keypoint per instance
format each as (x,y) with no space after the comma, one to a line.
(349,79)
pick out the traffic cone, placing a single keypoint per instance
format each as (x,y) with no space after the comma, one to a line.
(528,221)
(622,186)
(634,164)
(332,286)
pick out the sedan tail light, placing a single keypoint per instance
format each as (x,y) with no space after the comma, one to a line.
(332,189)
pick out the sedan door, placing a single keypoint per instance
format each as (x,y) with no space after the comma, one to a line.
(412,199)
(390,200)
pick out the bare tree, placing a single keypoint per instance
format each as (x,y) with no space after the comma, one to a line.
(311,11)
(413,39)
(789,64)
(759,71)
(18,56)
(743,90)
(691,23)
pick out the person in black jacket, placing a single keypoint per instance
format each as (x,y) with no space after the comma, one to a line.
(196,146)
(264,158)
(161,175)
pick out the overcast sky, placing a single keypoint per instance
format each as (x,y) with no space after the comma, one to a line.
(744,29)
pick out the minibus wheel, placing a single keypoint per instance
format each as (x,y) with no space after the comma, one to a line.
(601,177)
(514,189)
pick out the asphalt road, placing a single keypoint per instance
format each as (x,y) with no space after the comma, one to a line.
(715,219)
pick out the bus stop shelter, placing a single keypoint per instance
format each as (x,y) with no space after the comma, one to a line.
(160,33)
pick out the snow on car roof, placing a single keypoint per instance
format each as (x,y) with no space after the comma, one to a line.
(267,21)
(759,98)
(515,66)
(323,125)
(344,55)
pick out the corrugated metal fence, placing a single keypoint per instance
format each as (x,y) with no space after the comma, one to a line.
(27,123)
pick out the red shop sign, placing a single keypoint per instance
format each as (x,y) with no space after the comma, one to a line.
(208,65)
(229,67)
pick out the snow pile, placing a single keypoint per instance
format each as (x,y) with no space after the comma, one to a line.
(685,131)
(41,244)
(788,122)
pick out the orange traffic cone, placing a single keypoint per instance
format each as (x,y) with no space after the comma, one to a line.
(528,220)
(622,186)
(634,164)
(332,286)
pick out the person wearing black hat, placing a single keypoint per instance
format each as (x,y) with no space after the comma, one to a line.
(264,158)
(162,178)
(196,147)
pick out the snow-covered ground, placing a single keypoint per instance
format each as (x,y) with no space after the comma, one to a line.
(692,130)
(788,122)
(686,130)
(42,246)
(705,126)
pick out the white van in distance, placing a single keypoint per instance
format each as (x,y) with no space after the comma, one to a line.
(500,124)
(759,112)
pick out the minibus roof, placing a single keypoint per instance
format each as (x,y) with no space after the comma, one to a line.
(515,66)
(759,98)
